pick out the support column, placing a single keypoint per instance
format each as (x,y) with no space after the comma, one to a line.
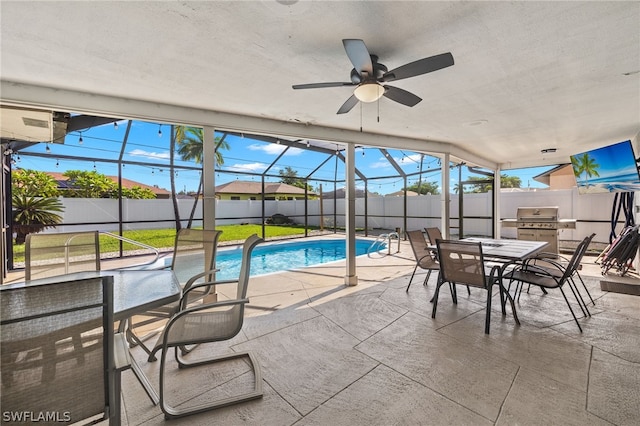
(497,182)
(208,178)
(350,215)
(209,190)
(446,197)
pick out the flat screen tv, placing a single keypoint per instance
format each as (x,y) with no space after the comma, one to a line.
(609,169)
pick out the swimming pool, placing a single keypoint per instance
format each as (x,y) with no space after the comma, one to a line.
(282,256)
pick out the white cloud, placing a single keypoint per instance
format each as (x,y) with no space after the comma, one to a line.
(142,153)
(382,164)
(274,149)
(251,167)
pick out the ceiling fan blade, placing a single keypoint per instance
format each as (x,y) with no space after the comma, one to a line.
(321,85)
(421,66)
(401,96)
(348,105)
(358,55)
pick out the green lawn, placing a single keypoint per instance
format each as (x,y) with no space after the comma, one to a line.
(164,238)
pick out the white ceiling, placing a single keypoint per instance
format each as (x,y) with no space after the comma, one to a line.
(527,75)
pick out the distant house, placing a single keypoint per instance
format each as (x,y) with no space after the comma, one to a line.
(249,190)
(126,183)
(401,194)
(560,177)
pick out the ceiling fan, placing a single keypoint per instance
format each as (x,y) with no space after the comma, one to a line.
(368,75)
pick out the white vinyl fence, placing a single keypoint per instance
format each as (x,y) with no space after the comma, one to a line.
(592,211)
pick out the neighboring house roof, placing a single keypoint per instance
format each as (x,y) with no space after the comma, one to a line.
(546,176)
(401,194)
(250,187)
(126,183)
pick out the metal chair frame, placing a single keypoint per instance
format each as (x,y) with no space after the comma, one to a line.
(425,258)
(528,272)
(462,262)
(196,325)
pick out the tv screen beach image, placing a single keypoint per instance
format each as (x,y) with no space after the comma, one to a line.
(609,169)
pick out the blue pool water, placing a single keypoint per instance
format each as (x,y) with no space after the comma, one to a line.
(275,257)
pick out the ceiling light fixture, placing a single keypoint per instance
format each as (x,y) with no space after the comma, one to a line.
(369,92)
(548,150)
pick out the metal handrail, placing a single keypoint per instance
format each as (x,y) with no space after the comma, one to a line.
(386,238)
(136,243)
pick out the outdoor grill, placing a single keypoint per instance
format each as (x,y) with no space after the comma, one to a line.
(539,224)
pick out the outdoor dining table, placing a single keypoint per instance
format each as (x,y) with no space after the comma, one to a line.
(508,250)
(505,251)
(134,292)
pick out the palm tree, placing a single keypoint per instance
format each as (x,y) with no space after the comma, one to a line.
(172,177)
(190,142)
(575,164)
(588,166)
(34,214)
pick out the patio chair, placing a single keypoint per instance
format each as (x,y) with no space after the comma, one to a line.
(51,255)
(425,258)
(193,261)
(206,323)
(48,255)
(41,372)
(434,235)
(529,273)
(462,262)
(555,264)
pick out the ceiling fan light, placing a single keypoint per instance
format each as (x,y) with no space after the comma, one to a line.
(369,92)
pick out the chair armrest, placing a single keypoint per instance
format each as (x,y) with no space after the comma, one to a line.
(185,292)
(430,256)
(548,262)
(542,271)
(206,284)
(196,277)
(214,305)
(545,255)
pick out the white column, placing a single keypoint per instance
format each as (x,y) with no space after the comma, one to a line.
(208,176)
(496,199)
(208,189)
(445,196)
(350,215)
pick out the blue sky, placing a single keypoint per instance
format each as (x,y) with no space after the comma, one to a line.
(149,143)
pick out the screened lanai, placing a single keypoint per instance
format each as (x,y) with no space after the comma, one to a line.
(524,88)
(140,152)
